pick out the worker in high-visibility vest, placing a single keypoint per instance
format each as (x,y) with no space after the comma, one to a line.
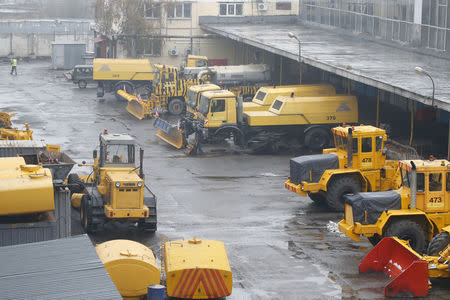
(14,66)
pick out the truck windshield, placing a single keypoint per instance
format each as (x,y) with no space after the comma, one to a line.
(204,105)
(119,154)
(192,99)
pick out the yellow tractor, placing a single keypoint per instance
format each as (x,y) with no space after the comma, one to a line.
(416,212)
(357,163)
(289,121)
(114,191)
(7,132)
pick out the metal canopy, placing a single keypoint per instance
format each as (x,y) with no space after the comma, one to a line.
(387,67)
(58,269)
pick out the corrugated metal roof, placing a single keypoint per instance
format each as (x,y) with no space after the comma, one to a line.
(376,64)
(58,269)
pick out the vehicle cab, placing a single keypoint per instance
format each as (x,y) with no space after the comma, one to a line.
(217,108)
(193,97)
(82,75)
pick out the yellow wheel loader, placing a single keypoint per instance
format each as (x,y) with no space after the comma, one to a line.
(289,121)
(114,190)
(416,212)
(356,164)
(7,132)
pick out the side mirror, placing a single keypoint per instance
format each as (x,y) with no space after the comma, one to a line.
(213,107)
(94,154)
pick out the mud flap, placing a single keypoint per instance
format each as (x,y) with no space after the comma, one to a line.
(169,133)
(406,268)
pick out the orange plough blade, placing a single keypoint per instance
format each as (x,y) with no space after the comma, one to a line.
(406,268)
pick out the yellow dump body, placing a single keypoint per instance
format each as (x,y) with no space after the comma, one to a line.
(24,189)
(131,266)
(197,269)
(306,110)
(267,95)
(124,69)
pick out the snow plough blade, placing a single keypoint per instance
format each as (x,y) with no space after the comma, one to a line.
(136,106)
(406,268)
(169,133)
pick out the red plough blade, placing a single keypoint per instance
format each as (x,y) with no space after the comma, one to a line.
(406,268)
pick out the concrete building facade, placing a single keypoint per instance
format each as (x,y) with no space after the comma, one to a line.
(176,25)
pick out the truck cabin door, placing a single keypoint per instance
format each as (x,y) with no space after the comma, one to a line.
(218,114)
(367,153)
(434,194)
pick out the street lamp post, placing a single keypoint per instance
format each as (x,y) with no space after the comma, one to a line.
(421,71)
(293,36)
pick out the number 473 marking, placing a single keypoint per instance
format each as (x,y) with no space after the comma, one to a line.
(435,200)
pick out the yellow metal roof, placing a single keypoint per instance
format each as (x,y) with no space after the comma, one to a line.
(204,87)
(359,130)
(426,165)
(218,93)
(124,176)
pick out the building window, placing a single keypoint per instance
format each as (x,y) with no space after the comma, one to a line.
(152,11)
(231,9)
(283,6)
(179,10)
(148,47)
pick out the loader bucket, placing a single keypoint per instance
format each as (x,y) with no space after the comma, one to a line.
(406,268)
(136,108)
(169,133)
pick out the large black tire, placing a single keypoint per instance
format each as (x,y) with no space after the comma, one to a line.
(82,84)
(409,231)
(337,189)
(128,87)
(375,239)
(76,185)
(438,243)
(176,106)
(86,214)
(317,139)
(318,198)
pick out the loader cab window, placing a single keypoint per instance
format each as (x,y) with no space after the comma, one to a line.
(201,63)
(218,105)
(340,142)
(260,96)
(447,182)
(420,182)
(366,144)
(379,143)
(355,145)
(435,182)
(119,154)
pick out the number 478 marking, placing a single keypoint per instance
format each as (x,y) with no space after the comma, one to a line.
(435,200)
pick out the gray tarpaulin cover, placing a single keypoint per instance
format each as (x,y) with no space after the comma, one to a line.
(67,268)
(374,203)
(317,164)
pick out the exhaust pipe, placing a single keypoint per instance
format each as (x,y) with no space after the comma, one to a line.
(413,186)
(350,148)
(141,163)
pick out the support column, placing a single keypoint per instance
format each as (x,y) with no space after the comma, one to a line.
(378,108)
(281,69)
(412,122)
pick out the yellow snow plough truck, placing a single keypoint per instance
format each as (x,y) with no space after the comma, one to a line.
(171,96)
(114,190)
(7,132)
(416,212)
(357,163)
(290,121)
(264,96)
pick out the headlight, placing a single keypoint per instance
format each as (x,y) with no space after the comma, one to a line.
(117,184)
(139,184)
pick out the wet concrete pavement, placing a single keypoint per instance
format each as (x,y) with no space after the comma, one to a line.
(280,245)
